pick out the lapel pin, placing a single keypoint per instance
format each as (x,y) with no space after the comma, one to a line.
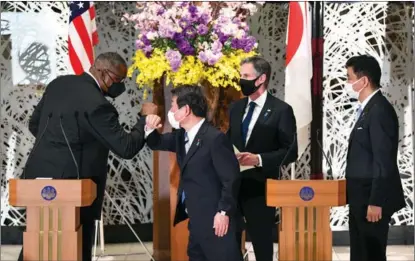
(266,113)
(198,142)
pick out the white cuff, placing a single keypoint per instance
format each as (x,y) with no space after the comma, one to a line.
(259,160)
(147,131)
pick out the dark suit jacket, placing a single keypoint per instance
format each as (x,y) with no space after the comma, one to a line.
(273,136)
(92,129)
(372,172)
(209,175)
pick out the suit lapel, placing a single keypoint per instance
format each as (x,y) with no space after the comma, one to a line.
(196,144)
(237,122)
(181,152)
(263,117)
(365,112)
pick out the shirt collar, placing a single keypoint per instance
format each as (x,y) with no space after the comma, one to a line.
(90,74)
(366,101)
(260,102)
(191,134)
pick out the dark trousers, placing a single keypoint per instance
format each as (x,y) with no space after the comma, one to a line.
(259,218)
(368,240)
(214,248)
(88,232)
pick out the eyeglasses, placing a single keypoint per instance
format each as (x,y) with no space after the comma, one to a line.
(117,77)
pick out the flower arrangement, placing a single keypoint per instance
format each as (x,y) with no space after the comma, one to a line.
(191,42)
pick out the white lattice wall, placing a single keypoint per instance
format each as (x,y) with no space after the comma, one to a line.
(130,181)
(384,31)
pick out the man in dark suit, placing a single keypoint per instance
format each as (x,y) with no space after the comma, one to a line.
(75,127)
(263,129)
(374,189)
(209,180)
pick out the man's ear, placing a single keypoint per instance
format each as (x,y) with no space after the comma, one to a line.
(262,79)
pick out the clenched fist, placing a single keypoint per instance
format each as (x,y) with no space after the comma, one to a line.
(149,108)
(153,122)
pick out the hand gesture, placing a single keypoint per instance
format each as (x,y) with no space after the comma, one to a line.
(220,224)
(153,122)
(149,108)
(247,159)
(374,213)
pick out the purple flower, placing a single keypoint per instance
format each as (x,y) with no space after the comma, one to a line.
(222,37)
(192,10)
(204,19)
(147,49)
(175,59)
(190,32)
(145,40)
(166,30)
(178,37)
(217,47)
(250,42)
(184,23)
(202,29)
(209,57)
(185,47)
(160,11)
(237,43)
(139,44)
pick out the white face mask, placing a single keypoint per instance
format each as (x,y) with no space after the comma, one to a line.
(348,87)
(173,122)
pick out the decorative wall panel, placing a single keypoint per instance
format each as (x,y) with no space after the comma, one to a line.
(130,181)
(385,31)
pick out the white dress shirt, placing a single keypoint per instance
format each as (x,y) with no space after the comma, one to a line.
(366,101)
(191,134)
(260,102)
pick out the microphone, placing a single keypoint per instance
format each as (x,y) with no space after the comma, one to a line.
(67,143)
(330,171)
(286,154)
(37,143)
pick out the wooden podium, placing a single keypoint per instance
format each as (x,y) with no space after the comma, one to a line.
(304,230)
(53,231)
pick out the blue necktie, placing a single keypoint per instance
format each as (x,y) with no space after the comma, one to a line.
(186,140)
(247,120)
(358,112)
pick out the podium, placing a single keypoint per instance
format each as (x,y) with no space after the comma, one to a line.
(53,230)
(304,230)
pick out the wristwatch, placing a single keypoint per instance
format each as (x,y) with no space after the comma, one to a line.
(223,213)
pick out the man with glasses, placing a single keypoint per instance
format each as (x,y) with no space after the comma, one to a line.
(75,128)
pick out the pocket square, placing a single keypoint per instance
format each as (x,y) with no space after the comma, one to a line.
(360,128)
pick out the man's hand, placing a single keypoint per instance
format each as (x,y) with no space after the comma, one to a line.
(374,213)
(220,224)
(153,122)
(247,159)
(149,108)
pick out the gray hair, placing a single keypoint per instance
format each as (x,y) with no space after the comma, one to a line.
(261,66)
(110,60)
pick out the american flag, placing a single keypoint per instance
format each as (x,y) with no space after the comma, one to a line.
(83,35)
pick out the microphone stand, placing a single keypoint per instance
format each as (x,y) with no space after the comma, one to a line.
(128,224)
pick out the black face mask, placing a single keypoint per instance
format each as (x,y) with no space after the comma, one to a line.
(248,87)
(115,90)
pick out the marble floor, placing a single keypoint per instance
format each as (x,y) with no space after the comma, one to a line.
(136,252)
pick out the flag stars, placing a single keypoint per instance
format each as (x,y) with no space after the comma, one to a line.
(81,5)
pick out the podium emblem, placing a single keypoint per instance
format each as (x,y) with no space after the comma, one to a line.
(306,193)
(48,193)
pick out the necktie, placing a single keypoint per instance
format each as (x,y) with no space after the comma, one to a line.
(247,120)
(186,142)
(358,112)
(186,147)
